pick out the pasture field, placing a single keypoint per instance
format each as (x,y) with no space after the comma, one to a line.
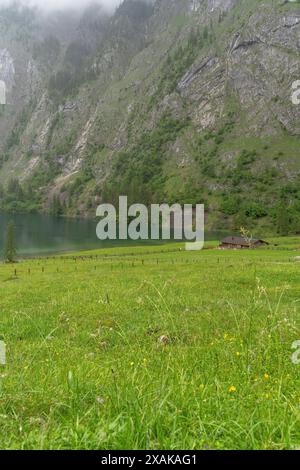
(153,348)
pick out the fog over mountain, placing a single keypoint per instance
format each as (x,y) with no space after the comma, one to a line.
(177,100)
(50,5)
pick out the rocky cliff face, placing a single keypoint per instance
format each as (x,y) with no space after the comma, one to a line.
(172,100)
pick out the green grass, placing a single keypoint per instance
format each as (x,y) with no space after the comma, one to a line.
(85,368)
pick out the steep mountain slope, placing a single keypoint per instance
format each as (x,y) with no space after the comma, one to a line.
(172,100)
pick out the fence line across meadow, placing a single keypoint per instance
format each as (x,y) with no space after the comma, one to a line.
(208,262)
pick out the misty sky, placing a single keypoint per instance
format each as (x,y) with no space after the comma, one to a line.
(61,4)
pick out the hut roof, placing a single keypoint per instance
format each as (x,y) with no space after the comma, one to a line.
(232,240)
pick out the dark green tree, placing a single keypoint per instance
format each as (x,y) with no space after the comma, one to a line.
(10,248)
(283,220)
(56,207)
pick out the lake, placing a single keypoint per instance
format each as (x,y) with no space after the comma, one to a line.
(42,234)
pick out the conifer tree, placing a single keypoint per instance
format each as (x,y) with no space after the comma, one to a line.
(10,249)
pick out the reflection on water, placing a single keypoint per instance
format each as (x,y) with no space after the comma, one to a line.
(41,234)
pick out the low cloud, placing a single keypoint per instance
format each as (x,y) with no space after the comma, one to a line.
(51,5)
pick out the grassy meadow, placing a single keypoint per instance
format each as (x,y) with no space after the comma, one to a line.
(151,348)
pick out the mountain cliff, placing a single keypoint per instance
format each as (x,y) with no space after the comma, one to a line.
(166,101)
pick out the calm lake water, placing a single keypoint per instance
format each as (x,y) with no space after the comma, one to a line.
(41,234)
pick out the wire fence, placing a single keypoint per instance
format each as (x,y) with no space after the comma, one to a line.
(69,265)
